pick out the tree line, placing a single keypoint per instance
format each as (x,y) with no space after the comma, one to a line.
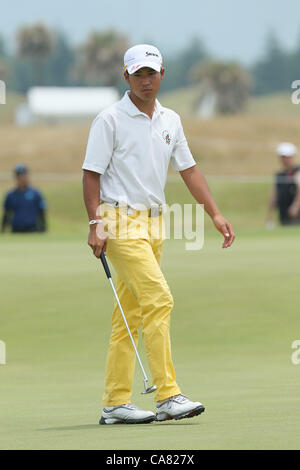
(45,57)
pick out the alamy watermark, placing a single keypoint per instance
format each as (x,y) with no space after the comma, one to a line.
(2,353)
(295,357)
(164,221)
(2,92)
(295,94)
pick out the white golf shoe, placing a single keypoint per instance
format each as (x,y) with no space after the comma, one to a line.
(125,414)
(178,407)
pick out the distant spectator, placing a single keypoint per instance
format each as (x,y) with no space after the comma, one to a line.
(285,195)
(24,207)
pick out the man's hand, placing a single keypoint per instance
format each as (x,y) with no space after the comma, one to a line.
(225,228)
(97,239)
(199,189)
(294,210)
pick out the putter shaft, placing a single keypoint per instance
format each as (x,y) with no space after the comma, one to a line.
(108,275)
(129,332)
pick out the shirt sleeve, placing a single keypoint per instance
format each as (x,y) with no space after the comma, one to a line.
(42,205)
(100,145)
(8,203)
(181,158)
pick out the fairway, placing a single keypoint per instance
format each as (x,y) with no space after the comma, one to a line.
(236,315)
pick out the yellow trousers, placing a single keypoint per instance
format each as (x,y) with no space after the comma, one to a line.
(134,248)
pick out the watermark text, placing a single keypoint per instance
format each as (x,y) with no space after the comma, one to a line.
(2,92)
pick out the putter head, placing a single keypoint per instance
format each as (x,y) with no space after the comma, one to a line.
(149,389)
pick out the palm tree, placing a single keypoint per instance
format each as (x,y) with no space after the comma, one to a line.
(2,46)
(229,82)
(100,58)
(5,68)
(35,43)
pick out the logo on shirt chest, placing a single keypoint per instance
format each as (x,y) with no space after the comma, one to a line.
(166,137)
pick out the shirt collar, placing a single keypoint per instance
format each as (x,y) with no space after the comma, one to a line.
(132,109)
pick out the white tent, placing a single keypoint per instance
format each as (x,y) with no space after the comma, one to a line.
(58,104)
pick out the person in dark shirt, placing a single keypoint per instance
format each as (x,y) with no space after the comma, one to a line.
(24,207)
(285,195)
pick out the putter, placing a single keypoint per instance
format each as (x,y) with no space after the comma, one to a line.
(107,272)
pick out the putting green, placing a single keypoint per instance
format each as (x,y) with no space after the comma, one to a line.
(236,315)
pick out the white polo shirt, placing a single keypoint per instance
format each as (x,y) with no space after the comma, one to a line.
(132,152)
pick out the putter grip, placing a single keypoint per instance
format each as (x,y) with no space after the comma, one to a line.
(105,265)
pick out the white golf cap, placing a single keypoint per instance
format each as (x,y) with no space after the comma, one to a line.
(286,149)
(142,55)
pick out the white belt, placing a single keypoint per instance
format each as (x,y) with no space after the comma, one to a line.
(154,211)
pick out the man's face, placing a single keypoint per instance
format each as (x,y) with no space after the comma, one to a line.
(22,180)
(287,162)
(145,82)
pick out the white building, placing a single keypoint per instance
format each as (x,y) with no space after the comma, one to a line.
(56,105)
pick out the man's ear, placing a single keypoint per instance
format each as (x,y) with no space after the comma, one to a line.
(162,72)
(126,76)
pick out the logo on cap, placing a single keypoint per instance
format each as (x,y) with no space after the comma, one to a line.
(151,53)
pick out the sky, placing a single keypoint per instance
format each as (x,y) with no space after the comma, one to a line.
(230,29)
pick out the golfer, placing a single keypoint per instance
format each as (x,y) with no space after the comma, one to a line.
(128,153)
(285,195)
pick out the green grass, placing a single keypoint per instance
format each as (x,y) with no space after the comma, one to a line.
(244,203)
(235,317)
